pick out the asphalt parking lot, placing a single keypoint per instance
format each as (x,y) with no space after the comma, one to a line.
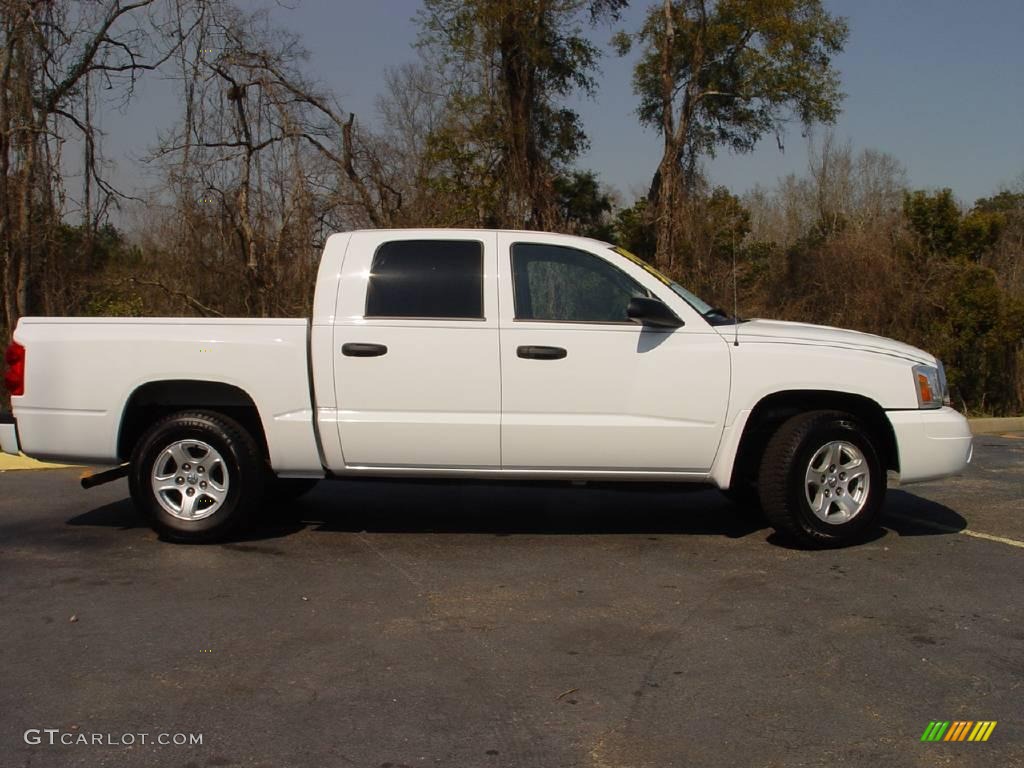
(392,624)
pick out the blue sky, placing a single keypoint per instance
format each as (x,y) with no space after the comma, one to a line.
(938,84)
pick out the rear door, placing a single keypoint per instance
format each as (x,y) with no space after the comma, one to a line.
(416,351)
(583,387)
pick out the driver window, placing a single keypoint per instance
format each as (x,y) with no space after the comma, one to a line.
(554,283)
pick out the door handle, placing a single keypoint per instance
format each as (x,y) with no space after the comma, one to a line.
(533,352)
(353,349)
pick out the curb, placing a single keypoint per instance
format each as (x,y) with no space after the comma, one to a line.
(22,462)
(997,426)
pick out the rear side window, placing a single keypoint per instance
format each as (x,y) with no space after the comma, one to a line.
(558,284)
(427,279)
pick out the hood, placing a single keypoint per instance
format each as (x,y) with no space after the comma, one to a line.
(779,332)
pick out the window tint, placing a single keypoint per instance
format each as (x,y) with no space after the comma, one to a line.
(427,278)
(566,285)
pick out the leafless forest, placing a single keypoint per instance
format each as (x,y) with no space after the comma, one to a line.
(264,161)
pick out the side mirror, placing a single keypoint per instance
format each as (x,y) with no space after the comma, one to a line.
(652,312)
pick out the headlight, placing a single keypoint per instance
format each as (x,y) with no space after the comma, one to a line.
(942,383)
(930,385)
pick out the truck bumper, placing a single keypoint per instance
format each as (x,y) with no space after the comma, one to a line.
(931,443)
(8,434)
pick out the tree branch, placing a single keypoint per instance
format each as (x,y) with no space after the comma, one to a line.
(55,95)
(190,300)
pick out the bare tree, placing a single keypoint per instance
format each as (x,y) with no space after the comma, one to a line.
(56,56)
(263,162)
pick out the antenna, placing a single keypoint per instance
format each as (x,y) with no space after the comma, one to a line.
(735,295)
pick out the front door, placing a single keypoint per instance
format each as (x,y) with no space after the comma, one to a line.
(584,388)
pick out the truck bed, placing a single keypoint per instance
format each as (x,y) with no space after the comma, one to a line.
(82,371)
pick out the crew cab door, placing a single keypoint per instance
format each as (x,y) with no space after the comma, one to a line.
(416,351)
(585,388)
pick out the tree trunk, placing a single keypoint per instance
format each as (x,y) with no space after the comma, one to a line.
(665,182)
(25,245)
(531,199)
(665,211)
(517,84)
(6,123)
(669,187)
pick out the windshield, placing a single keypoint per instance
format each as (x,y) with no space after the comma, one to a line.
(694,301)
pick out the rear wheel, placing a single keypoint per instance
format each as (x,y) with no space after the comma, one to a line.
(821,480)
(196,475)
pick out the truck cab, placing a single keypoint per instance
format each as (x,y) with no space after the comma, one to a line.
(447,356)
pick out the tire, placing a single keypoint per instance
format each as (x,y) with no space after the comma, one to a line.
(804,489)
(196,475)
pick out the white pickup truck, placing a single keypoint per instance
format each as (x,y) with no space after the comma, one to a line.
(484,354)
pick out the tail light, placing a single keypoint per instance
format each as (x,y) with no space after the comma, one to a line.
(14,376)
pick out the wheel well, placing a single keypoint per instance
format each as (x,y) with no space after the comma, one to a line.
(771,411)
(156,399)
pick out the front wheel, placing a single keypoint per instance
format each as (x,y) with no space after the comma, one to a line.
(196,475)
(821,480)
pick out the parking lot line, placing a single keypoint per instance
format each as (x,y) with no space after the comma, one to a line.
(951,529)
(990,537)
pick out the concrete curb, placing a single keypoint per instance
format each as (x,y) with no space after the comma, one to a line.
(9,462)
(997,426)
